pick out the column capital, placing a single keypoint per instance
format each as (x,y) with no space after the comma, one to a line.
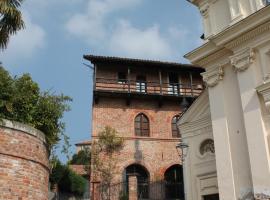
(213,76)
(261,196)
(264,90)
(242,59)
(204,10)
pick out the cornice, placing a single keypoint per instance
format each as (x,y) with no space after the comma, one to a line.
(241,28)
(230,38)
(145,138)
(248,36)
(201,52)
(243,59)
(218,55)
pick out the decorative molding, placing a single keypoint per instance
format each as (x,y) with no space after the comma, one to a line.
(248,36)
(204,10)
(207,146)
(264,90)
(266,76)
(212,77)
(218,55)
(261,196)
(243,59)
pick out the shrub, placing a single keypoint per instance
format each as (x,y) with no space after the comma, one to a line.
(67,180)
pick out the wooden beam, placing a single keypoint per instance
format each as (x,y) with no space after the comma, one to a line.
(191,82)
(160,81)
(128,79)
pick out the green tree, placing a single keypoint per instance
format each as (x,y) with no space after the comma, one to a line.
(21,100)
(83,157)
(10,20)
(104,157)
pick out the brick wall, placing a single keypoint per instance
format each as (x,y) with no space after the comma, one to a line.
(24,171)
(157,152)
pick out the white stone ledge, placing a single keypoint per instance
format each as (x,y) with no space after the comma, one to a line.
(23,128)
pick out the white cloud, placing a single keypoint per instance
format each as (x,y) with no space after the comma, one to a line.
(119,37)
(132,42)
(26,42)
(91,25)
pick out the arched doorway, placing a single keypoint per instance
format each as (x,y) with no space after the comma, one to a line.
(174,183)
(142,179)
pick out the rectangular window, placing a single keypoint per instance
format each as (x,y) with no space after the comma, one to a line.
(122,77)
(173,84)
(141,84)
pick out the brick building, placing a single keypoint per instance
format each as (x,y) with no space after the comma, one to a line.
(83,145)
(142,100)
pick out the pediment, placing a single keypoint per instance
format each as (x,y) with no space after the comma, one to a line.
(200,109)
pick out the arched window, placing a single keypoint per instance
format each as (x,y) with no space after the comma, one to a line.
(175,130)
(141,125)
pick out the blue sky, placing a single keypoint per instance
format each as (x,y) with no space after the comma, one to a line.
(59,32)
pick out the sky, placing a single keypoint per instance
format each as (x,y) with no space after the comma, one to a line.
(59,32)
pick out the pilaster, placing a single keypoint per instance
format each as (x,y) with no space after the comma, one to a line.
(256,134)
(226,182)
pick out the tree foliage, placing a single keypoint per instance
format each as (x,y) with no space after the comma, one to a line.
(104,154)
(10,20)
(21,100)
(83,157)
(67,180)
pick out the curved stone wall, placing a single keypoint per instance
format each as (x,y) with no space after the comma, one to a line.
(24,166)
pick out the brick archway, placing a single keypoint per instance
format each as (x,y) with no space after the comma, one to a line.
(174,182)
(142,178)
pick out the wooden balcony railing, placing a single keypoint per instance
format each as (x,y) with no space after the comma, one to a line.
(147,87)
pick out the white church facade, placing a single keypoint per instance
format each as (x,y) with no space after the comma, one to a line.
(227,127)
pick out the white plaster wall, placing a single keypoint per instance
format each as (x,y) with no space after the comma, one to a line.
(237,63)
(199,170)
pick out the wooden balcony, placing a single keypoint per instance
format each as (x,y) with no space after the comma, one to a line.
(146,88)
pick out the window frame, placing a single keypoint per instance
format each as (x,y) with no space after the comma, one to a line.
(174,129)
(139,124)
(141,84)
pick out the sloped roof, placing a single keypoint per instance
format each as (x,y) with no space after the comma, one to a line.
(85,142)
(108,59)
